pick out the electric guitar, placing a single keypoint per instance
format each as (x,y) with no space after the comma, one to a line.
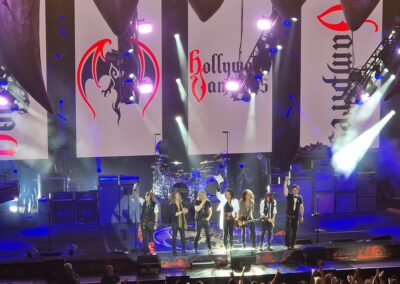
(241,223)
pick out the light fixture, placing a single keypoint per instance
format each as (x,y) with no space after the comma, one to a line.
(264,23)
(232,85)
(144,26)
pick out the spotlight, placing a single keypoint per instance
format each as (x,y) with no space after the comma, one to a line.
(144,27)
(392,112)
(264,24)
(279,47)
(132,98)
(178,119)
(246,97)
(3,101)
(392,76)
(178,80)
(13,209)
(253,95)
(145,87)
(131,75)
(398,50)
(232,85)
(265,72)
(130,50)
(176,36)
(294,19)
(364,97)
(385,70)
(99,170)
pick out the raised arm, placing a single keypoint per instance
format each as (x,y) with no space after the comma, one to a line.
(197,208)
(285,186)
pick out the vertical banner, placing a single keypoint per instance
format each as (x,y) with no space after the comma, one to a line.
(25,136)
(328,54)
(213,57)
(106,126)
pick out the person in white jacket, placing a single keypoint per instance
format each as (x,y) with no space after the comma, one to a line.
(228,208)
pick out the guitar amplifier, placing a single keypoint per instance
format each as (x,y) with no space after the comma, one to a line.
(108,180)
(128,180)
(90,195)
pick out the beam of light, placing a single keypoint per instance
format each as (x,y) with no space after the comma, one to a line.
(181,56)
(364,111)
(346,159)
(181,89)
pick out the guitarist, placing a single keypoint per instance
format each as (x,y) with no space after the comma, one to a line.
(294,213)
(246,209)
(267,212)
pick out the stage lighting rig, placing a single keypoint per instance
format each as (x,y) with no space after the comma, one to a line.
(251,77)
(384,56)
(12,96)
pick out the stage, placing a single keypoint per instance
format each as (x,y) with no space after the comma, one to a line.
(345,241)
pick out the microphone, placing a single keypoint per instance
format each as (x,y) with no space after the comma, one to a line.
(157,134)
(225,131)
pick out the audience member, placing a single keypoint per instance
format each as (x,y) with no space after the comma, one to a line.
(110,277)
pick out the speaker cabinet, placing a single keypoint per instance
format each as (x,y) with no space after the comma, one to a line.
(323,180)
(109,204)
(366,204)
(324,202)
(86,212)
(366,184)
(242,258)
(314,255)
(148,264)
(62,212)
(345,202)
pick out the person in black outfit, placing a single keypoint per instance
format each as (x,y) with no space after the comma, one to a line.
(294,213)
(228,208)
(110,277)
(69,276)
(203,209)
(267,212)
(178,212)
(149,221)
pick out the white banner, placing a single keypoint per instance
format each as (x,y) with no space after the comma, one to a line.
(213,56)
(98,132)
(326,61)
(24,136)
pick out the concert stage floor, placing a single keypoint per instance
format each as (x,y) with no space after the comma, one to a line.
(95,246)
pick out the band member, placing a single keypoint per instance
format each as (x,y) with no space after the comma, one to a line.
(148,221)
(203,209)
(268,213)
(178,212)
(294,213)
(228,207)
(246,209)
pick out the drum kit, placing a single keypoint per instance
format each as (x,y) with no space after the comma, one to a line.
(169,176)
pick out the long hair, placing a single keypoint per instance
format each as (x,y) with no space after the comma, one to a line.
(150,194)
(201,191)
(173,197)
(245,192)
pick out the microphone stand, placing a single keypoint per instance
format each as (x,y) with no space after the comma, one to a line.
(226,158)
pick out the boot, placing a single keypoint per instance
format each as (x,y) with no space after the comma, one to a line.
(151,248)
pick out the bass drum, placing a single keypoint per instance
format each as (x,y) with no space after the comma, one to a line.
(184,188)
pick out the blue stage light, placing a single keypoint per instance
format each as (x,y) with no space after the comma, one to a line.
(99,170)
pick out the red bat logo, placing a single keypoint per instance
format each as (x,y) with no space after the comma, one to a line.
(341,26)
(93,65)
(11,151)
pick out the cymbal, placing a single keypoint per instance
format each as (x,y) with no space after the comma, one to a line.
(207,162)
(176,163)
